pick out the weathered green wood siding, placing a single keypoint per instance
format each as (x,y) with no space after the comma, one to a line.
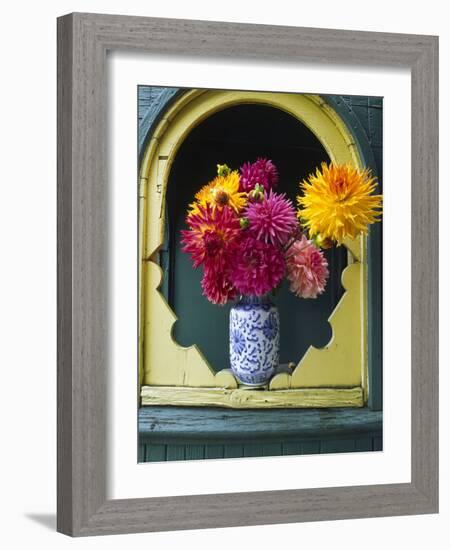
(153,452)
(178,433)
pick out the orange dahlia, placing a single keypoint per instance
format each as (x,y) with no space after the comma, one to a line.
(338,202)
(221,191)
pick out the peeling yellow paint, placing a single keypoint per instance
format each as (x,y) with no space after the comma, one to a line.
(239,398)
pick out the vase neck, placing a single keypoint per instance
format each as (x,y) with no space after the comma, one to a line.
(255,300)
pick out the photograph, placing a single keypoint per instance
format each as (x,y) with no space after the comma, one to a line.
(260,273)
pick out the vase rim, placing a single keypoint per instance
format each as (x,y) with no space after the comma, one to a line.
(253,298)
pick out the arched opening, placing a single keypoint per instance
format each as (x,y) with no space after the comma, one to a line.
(232,136)
(336,360)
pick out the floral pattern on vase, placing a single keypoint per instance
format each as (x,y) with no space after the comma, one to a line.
(254,340)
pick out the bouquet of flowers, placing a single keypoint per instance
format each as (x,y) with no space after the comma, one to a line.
(247,237)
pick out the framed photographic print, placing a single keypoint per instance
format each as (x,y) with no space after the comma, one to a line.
(247,271)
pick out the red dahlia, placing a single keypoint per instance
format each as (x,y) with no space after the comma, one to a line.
(211,235)
(257,268)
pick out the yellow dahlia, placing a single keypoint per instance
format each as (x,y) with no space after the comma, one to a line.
(221,191)
(337,202)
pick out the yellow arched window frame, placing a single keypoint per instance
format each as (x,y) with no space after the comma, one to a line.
(335,375)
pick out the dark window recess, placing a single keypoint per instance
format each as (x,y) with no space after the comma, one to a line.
(234,136)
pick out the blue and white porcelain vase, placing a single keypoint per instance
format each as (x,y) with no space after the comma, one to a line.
(254,340)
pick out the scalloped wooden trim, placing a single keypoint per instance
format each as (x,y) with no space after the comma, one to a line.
(340,361)
(164,361)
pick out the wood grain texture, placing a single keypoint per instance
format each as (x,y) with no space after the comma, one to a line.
(252,399)
(158,423)
(64,335)
(82,282)
(425,273)
(256,508)
(249,432)
(83,40)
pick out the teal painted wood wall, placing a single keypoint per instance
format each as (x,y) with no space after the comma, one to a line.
(154,451)
(178,433)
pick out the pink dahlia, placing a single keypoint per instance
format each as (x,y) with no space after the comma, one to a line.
(216,285)
(273,220)
(257,267)
(262,171)
(211,235)
(307,269)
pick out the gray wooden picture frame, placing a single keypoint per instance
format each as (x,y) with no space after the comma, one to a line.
(83,41)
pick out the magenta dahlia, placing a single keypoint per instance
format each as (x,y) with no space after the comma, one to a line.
(272,220)
(306,269)
(211,235)
(257,267)
(216,285)
(262,171)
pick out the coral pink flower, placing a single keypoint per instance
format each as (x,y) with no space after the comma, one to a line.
(272,220)
(216,285)
(257,267)
(263,171)
(212,234)
(307,269)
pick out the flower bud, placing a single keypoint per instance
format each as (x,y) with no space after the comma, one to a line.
(244,223)
(258,193)
(223,170)
(322,242)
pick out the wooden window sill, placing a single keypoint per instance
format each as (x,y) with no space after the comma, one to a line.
(248,398)
(225,424)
